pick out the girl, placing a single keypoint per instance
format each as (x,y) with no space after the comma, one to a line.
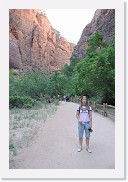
(84,116)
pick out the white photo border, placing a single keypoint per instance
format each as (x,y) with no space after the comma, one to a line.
(119,171)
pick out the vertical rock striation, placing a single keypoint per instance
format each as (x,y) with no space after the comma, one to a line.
(34,44)
(103,21)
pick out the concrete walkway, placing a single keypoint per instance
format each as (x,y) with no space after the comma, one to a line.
(56,145)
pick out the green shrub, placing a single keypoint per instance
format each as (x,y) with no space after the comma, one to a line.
(56,102)
(38,105)
(21,102)
(31,84)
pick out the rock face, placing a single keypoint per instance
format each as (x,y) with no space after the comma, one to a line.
(34,44)
(103,21)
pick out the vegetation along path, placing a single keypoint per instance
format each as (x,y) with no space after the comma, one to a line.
(57,142)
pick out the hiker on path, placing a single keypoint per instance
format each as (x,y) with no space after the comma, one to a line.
(84,116)
(64,98)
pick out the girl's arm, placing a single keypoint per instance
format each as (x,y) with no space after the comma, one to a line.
(90,116)
(77,115)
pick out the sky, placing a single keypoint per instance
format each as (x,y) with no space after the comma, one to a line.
(70,22)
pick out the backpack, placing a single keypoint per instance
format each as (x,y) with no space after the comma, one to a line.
(88,110)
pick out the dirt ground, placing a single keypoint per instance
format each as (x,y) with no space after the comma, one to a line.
(57,142)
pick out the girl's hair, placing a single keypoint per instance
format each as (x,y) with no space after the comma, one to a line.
(87,105)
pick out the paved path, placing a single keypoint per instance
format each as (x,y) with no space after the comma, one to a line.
(56,145)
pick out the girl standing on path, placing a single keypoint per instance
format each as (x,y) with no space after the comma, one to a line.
(84,116)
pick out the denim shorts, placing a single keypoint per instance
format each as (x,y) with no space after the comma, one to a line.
(82,128)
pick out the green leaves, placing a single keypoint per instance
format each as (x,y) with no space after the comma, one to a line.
(31,85)
(95,44)
(21,102)
(95,74)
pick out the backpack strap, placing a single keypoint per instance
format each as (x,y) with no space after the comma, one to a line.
(88,110)
(79,108)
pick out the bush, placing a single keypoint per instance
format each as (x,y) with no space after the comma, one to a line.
(56,102)
(21,102)
(31,84)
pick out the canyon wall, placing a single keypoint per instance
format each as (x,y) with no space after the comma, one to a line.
(34,44)
(103,21)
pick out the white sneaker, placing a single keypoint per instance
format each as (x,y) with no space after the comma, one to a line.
(88,149)
(79,149)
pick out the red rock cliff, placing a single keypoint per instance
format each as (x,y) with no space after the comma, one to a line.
(103,21)
(34,44)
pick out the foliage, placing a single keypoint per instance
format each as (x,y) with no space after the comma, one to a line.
(95,75)
(35,85)
(67,70)
(95,44)
(32,84)
(21,102)
(56,85)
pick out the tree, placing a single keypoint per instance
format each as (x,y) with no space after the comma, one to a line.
(56,85)
(68,69)
(95,74)
(95,44)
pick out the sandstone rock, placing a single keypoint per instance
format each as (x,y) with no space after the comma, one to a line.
(103,21)
(15,60)
(34,43)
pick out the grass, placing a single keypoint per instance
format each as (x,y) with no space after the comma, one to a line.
(24,125)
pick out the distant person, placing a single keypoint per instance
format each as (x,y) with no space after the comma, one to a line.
(67,99)
(84,116)
(79,99)
(64,97)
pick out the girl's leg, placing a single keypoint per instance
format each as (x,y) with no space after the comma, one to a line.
(80,133)
(80,144)
(87,142)
(87,135)
(80,141)
(87,145)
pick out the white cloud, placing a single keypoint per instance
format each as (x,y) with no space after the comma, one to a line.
(70,22)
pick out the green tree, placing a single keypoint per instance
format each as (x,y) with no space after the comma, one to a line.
(56,85)
(68,69)
(32,84)
(82,78)
(95,74)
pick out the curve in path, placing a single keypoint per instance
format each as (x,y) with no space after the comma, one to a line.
(56,145)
